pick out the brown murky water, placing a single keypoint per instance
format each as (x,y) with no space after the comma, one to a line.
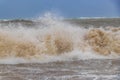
(90,69)
(94,69)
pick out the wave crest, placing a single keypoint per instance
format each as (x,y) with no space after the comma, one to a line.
(58,39)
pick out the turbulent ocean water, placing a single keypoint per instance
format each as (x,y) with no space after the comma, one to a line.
(52,48)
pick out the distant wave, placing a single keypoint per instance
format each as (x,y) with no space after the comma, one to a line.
(57,40)
(97,17)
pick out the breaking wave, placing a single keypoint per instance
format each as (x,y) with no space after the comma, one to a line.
(55,40)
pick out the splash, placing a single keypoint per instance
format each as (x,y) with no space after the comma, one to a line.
(104,41)
(56,40)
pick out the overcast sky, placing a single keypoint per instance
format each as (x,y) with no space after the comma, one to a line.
(12,9)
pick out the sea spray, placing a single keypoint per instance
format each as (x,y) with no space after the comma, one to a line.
(56,40)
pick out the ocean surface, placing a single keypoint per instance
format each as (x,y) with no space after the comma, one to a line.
(52,48)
